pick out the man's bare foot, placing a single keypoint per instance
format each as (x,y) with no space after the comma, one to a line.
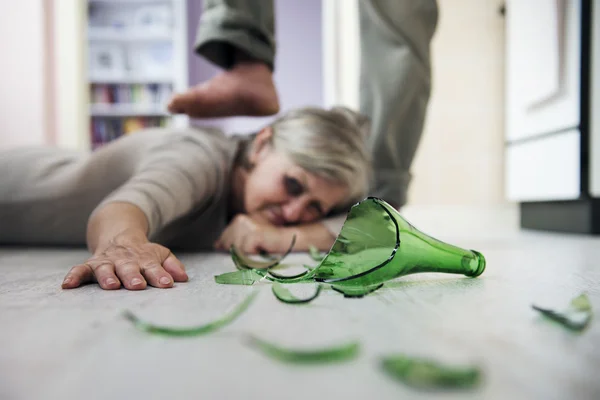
(246,89)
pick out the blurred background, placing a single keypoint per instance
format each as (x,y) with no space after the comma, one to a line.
(509,140)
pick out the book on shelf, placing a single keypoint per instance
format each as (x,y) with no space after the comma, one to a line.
(137,93)
(104,130)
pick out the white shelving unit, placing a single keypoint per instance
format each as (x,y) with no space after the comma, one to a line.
(110,35)
(127,110)
(137,57)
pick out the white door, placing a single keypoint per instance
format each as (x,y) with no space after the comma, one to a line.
(543,100)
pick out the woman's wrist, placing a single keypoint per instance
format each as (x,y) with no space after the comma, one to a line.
(125,238)
(116,223)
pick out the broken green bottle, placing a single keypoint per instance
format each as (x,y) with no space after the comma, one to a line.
(376,244)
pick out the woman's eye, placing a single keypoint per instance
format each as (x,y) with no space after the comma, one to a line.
(293,186)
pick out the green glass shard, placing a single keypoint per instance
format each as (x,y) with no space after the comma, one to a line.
(306,276)
(377,244)
(429,374)
(575,317)
(251,276)
(335,354)
(315,254)
(288,277)
(191,331)
(283,294)
(356,291)
(243,277)
(242,262)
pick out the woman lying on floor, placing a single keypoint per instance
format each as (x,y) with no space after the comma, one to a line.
(141,195)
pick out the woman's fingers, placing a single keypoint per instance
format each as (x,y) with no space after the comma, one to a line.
(155,274)
(233,233)
(251,243)
(225,240)
(224,243)
(77,276)
(129,273)
(105,275)
(175,268)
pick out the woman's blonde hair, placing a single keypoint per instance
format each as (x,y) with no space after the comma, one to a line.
(330,143)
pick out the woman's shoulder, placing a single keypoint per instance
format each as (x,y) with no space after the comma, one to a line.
(194,136)
(190,138)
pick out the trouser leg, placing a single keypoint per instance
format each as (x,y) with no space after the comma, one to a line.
(229,25)
(395,85)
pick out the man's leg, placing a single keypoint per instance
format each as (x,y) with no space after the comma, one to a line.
(395,84)
(238,36)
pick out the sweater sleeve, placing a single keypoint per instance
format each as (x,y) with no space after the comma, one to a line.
(175,175)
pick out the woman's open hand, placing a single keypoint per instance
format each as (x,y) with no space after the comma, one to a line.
(131,261)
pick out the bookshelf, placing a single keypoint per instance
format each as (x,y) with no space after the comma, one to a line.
(137,58)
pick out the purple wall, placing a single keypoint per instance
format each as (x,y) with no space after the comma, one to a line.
(298,69)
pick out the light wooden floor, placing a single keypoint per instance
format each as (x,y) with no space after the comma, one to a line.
(59,344)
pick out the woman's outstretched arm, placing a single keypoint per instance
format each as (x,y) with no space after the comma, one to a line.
(173,174)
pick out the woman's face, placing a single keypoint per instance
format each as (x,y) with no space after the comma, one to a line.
(283,193)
